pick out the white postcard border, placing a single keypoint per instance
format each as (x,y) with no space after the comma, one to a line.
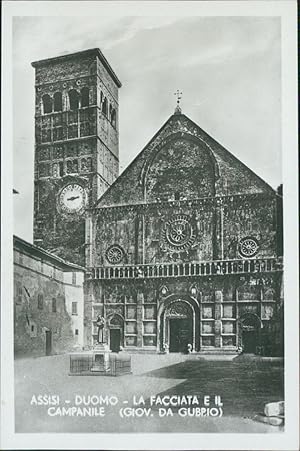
(277,441)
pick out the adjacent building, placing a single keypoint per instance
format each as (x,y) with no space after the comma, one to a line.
(48,302)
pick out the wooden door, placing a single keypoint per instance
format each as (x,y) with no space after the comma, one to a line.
(115,340)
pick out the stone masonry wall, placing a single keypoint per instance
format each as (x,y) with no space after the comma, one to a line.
(221,300)
(216,228)
(75,144)
(39,305)
(231,175)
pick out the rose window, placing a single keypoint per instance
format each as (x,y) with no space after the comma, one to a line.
(114,254)
(248,247)
(179,233)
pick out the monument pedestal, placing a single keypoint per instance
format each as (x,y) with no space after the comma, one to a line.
(101,358)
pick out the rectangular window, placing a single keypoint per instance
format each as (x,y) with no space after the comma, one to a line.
(76,331)
(53,305)
(40,302)
(74,278)
(19,293)
(74,308)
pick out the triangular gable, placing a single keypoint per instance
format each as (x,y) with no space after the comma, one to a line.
(234,177)
(239,177)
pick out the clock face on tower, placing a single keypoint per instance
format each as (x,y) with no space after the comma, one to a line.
(72,198)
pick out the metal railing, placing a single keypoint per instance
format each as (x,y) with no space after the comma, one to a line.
(216,267)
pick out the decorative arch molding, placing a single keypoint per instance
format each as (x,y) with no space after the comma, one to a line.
(249,317)
(190,309)
(174,137)
(173,297)
(116,316)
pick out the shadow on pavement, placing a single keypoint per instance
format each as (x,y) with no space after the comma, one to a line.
(244,385)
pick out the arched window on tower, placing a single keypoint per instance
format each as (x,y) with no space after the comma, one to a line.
(47,104)
(73,99)
(110,110)
(85,97)
(104,106)
(113,117)
(57,101)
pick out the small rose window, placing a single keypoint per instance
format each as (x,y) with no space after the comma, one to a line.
(248,247)
(115,254)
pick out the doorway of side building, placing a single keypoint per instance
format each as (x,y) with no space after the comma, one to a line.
(181,334)
(48,342)
(115,339)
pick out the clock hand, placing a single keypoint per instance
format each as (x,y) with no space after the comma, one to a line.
(73,198)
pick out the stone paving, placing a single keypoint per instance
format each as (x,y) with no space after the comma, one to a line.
(245,384)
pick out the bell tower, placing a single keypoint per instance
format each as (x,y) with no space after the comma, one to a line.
(76,146)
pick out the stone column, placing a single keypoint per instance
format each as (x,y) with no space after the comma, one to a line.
(218,316)
(139,318)
(89,240)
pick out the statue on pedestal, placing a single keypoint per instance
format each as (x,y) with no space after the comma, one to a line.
(100,324)
(100,351)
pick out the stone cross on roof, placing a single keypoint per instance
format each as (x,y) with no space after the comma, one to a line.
(178,94)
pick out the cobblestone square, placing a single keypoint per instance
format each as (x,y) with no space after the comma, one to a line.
(245,384)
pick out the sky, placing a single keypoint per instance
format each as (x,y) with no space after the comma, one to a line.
(228,68)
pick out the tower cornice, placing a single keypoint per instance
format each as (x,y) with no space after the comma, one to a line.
(89,52)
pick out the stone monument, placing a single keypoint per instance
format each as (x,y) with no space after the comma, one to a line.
(101,350)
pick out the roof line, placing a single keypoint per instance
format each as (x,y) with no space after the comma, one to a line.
(96,205)
(230,153)
(132,162)
(95,51)
(42,252)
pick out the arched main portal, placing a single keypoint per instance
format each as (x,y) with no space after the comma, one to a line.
(178,325)
(249,332)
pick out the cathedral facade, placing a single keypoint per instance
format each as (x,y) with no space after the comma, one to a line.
(183,251)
